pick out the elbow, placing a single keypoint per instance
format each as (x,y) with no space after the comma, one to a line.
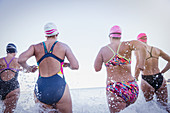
(97,69)
(20,61)
(75,66)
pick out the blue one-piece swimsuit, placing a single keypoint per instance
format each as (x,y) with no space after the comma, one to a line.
(49,90)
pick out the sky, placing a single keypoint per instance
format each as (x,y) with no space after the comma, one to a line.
(84,26)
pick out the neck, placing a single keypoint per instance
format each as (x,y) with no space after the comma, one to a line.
(10,54)
(112,40)
(51,38)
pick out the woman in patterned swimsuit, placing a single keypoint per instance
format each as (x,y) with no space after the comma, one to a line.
(122,89)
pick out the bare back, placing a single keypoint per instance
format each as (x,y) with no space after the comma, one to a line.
(120,72)
(8,74)
(49,66)
(151,63)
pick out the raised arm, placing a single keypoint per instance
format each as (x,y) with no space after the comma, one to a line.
(98,61)
(24,57)
(167,58)
(73,63)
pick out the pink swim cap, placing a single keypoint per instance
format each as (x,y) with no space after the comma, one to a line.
(142,37)
(50,29)
(115,31)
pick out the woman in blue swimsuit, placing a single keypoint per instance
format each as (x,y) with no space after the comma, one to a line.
(51,89)
(9,85)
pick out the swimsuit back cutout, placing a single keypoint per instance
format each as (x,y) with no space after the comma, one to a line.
(8,68)
(150,53)
(117,59)
(50,54)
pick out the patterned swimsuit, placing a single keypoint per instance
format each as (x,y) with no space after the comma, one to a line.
(127,90)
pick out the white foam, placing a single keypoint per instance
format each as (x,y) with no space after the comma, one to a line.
(90,100)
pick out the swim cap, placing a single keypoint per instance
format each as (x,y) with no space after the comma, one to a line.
(11,48)
(50,29)
(115,31)
(142,37)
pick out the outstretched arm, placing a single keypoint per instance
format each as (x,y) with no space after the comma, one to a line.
(24,57)
(167,58)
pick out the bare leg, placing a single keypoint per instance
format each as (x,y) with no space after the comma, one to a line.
(162,94)
(115,103)
(11,101)
(63,106)
(148,90)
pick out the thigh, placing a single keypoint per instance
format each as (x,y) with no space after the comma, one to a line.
(11,99)
(162,93)
(148,90)
(115,103)
(63,106)
(44,108)
(65,103)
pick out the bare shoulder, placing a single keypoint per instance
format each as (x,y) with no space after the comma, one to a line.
(37,45)
(63,46)
(1,60)
(103,50)
(157,51)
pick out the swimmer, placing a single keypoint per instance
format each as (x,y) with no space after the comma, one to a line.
(153,81)
(9,85)
(122,89)
(51,90)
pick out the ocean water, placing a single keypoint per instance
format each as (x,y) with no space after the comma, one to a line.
(84,100)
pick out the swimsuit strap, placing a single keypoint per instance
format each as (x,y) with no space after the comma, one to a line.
(45,48)
(111,49)
(7,68)
(119,47)
(150,52)
(7,62)
(49,54)
(51,50)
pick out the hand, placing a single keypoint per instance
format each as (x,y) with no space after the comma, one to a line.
(33,68)
(136,79)
(66,64)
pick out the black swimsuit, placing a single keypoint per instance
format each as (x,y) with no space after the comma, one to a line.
(10,85)
(154,80)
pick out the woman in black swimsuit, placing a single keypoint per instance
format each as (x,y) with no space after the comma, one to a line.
(9,85)
(153,81)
